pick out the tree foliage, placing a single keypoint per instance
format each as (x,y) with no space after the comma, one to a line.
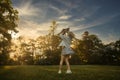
(8,22)
(88,50)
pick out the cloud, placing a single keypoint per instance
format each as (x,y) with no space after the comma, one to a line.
(33,21)
(32,29)
(70,4)
(65,17)
(96,22)
(58,10)
(79,20)
(62,25)
(89,11)
(27,9)
(111,37)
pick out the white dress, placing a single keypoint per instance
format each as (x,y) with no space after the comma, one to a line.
(66,42)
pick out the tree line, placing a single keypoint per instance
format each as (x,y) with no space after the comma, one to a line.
(45,51)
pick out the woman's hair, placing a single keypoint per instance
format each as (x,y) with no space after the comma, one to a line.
(63,31)
(71,35)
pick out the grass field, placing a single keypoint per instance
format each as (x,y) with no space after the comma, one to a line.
(80,72)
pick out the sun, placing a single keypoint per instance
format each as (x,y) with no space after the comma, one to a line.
(13,34)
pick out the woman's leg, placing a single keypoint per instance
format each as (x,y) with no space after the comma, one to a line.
(68,64)
(61,63)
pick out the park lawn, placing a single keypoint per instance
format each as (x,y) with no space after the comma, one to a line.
(80,72)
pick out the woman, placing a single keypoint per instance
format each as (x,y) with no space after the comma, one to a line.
(66,50)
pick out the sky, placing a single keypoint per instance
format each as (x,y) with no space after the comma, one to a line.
(99,17)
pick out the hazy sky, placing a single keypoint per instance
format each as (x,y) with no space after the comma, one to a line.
(100,17)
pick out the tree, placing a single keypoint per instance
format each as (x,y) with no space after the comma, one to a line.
(8,22)
(112,53)
(53,28)
(50,49)
(8,18)
(49,45)
(89,48)
(117,47)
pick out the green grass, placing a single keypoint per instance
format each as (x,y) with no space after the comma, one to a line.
(80,72)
